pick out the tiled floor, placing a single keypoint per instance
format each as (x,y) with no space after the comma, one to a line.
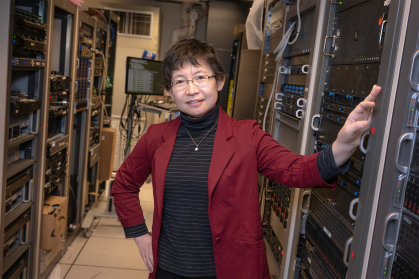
(107,254)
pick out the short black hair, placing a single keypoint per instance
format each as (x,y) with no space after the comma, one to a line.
(190,51)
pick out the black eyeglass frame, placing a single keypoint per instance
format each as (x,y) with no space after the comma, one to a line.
(192,80)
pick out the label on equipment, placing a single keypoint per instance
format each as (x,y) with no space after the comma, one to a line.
(327,232)
(407,220)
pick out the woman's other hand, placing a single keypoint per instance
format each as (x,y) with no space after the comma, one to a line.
(358,122)
(144,246)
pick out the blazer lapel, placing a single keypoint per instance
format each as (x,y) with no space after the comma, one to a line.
(163,154)
(223,150)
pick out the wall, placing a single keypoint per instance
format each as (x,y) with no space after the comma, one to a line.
(222,17)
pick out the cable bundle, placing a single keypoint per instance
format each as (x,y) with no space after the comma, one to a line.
(280,52)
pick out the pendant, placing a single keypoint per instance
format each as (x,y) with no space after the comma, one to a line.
(196,148)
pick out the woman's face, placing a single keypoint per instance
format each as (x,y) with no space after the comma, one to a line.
(196,101)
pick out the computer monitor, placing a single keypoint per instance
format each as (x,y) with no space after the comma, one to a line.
(143,77)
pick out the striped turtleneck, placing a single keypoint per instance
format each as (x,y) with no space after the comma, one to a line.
(185,245)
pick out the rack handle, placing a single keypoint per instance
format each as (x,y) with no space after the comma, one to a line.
(390,217)
(324,45)
(304,101)
(78,64)
(381,33)
(24,239)
(299,113)
(361,144)
(413,85)
(305,193)
(345,254)
(278,105)
(402,138)
(278,96)
(312,122)
(27,193)
(305,67)
(351,208)
(283,70)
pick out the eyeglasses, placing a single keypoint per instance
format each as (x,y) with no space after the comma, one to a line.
(180,85)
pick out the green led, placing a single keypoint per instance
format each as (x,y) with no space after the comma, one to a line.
(340,3)
(333,56)
(398,195)
(385,268)
(398,191)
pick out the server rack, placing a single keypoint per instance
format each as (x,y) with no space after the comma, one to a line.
(290,121)
(327,242)
(85,40)
(24,69)
(59,119)
(45,115)
(361,42)
(97,109)
(392,246)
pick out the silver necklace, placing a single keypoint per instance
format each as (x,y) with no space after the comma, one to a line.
(196,148)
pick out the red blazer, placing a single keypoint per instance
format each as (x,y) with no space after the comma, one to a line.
(241,150)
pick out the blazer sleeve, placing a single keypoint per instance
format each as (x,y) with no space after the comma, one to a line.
(129,178)
(284,166)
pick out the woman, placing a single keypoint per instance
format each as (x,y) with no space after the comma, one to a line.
(204,168)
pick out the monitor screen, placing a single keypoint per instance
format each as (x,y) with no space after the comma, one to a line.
(143,77)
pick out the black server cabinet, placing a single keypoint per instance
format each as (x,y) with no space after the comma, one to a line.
(360,48)
(393,243)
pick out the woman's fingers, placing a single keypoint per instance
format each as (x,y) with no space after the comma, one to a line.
(151,260)
(364,106)
(376,90)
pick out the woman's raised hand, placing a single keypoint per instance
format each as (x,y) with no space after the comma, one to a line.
(357,123)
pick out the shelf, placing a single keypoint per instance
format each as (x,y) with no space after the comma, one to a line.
(288,120)
(16,212)
(20,140)
(18,166)
(14,256)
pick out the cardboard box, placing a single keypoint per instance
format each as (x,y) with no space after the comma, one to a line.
(54,221)
(107,150)
(239,28)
